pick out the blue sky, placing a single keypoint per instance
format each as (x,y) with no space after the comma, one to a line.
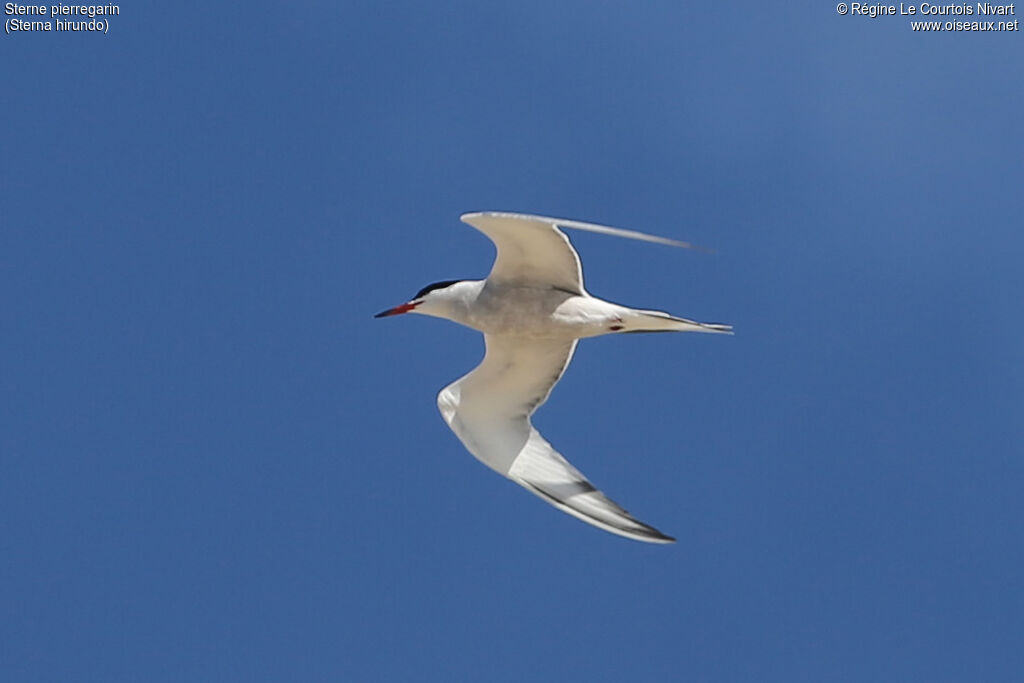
(215,465)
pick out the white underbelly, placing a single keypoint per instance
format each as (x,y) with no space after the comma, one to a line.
(544,313)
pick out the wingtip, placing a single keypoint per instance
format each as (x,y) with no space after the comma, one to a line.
(652,535)
(582,225)
(720,328)
(649,535)
(635,531)
(656,537)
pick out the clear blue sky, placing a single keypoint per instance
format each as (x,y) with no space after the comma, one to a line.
(216,466)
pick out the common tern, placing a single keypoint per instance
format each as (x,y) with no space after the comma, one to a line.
(532,310)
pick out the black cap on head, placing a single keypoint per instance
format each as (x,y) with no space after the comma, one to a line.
(435,285)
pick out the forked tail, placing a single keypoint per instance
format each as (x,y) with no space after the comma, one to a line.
(659,321)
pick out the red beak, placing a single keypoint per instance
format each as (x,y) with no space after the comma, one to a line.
(404,308)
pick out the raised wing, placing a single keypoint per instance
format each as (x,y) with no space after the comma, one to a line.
(532,249)
(489,410)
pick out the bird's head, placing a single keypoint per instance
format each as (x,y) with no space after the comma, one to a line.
(436,299)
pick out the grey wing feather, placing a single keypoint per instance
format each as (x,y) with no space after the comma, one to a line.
(532,249)
(489,410)
(529,251)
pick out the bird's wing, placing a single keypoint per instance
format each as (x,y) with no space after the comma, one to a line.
(489,410)
(532,249)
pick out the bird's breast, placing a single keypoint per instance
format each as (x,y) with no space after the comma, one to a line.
(533,312)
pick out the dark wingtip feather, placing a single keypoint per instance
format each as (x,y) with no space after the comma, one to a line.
(640,532)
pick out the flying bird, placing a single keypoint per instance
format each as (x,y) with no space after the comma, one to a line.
(532,309)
